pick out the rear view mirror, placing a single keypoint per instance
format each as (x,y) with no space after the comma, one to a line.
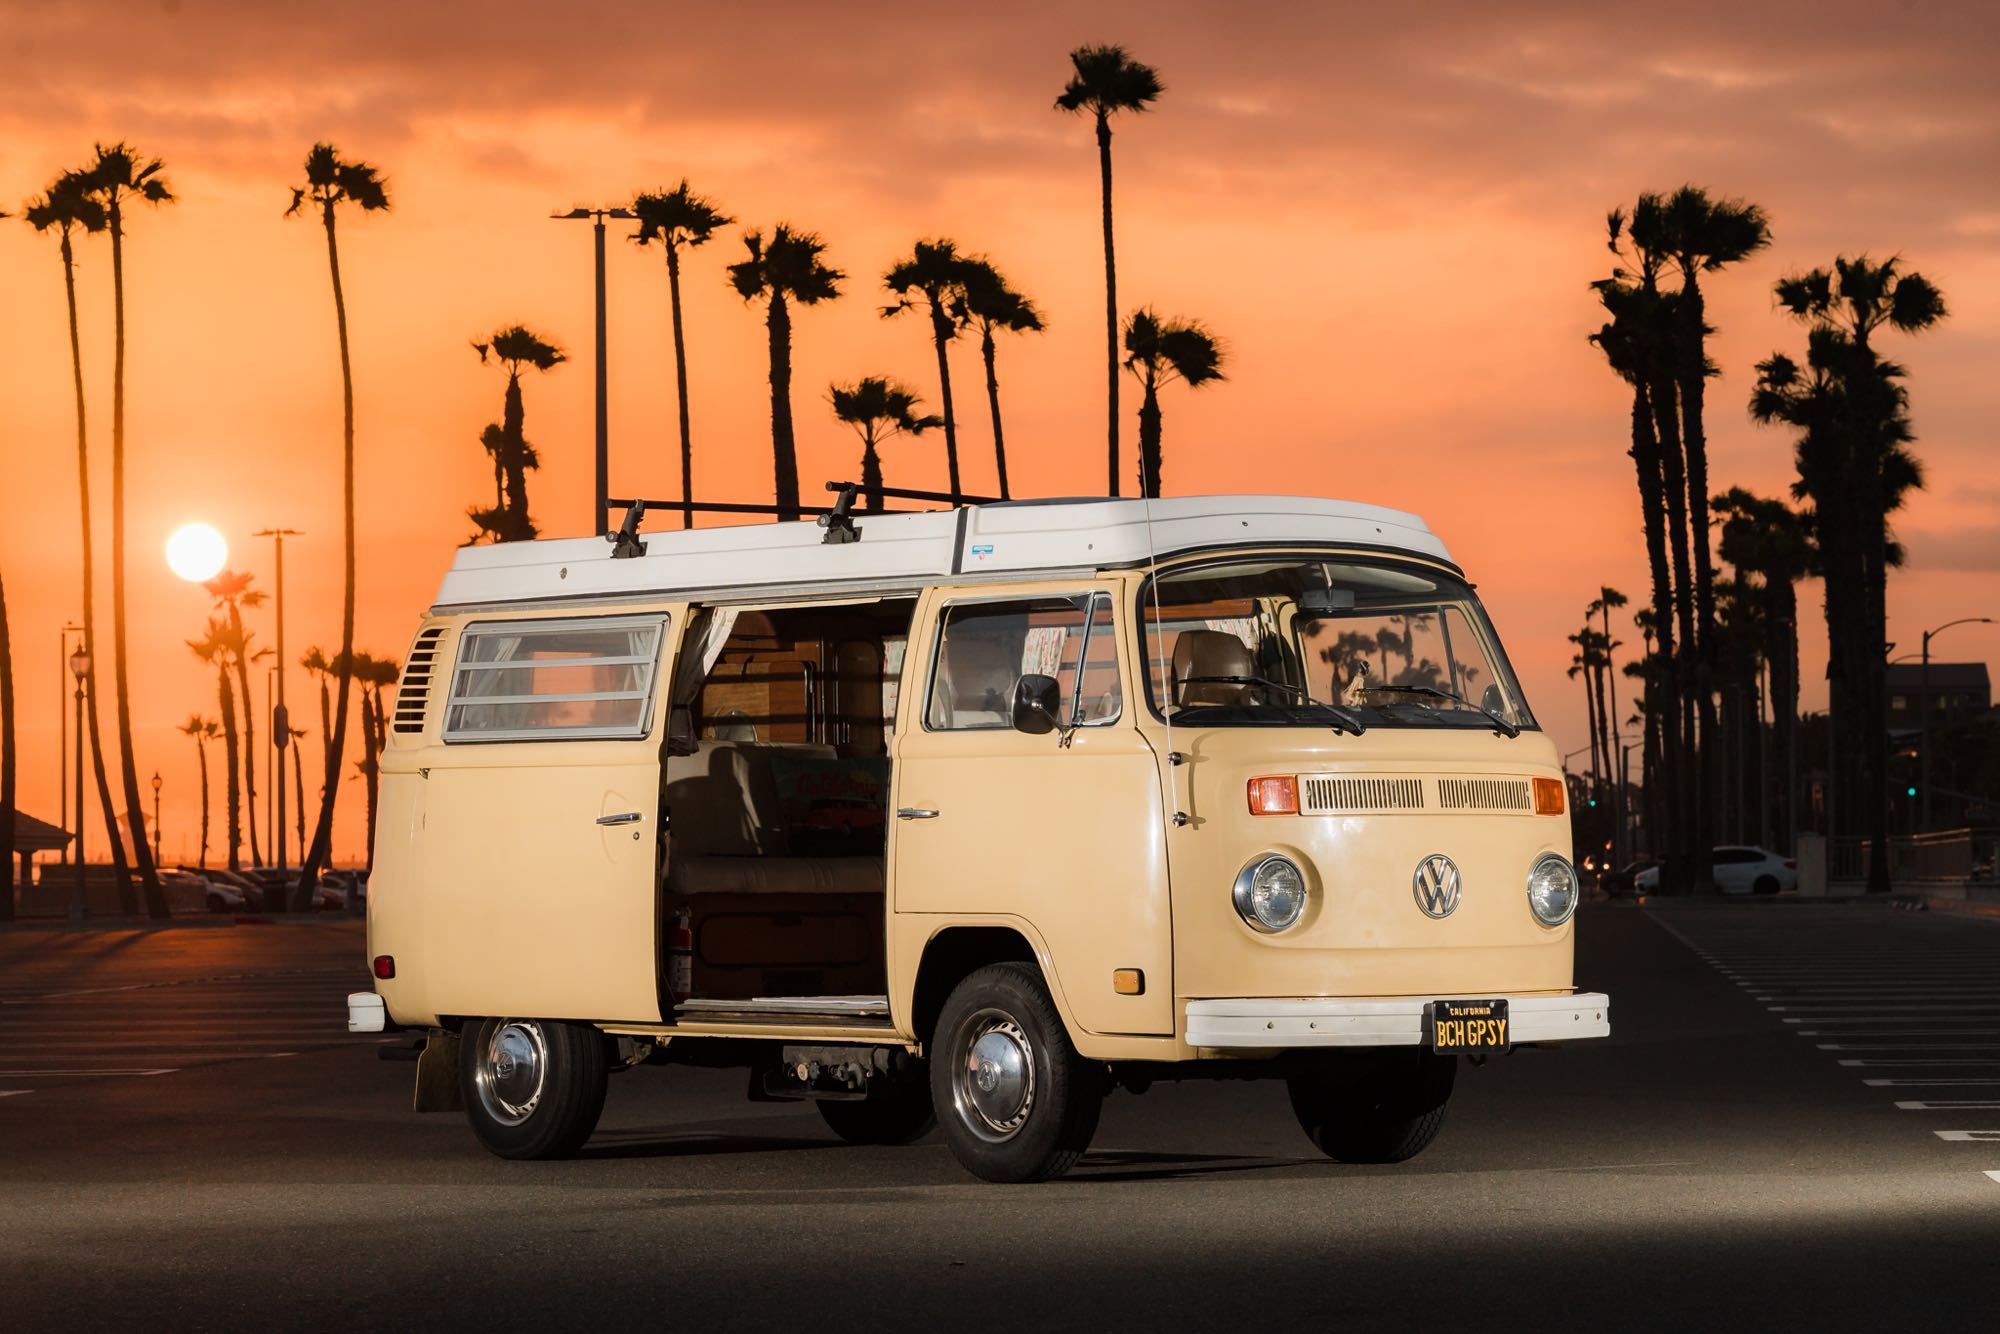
(1036,700)
(1323,601)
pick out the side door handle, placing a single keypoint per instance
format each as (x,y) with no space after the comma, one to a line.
(915,813)
(624,817)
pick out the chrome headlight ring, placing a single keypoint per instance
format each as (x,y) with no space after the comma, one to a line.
(1553,889)
(1270,893)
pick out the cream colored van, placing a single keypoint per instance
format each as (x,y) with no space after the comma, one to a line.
(971,817)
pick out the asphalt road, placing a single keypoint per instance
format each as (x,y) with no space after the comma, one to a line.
(1713,1165)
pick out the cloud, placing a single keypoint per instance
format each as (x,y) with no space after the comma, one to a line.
(1971,549)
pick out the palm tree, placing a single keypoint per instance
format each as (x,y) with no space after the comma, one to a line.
(299,781)
(330,182)
(119,174)
(1768,539)
(6,763)
(1159,352)
(67,206)
(203,730)
(1607,600)
(217,648)
(992,305)
(679,218)
(1850,408)
(877,408)
(788,269)
(517,348)
(375,675)
(1106,80)
(232,593)
(935,272)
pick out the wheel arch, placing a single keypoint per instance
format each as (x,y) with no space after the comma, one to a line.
(952,953)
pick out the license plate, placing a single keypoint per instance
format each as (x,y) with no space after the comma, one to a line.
(1460,1026)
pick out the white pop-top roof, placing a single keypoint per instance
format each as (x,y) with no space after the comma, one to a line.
(1021,538)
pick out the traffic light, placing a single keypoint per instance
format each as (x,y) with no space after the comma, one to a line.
(1908,792)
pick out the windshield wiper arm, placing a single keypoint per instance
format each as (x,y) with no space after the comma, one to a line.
(1500,724)
(1348,720)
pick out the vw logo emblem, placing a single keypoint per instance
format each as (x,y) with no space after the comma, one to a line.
(1437,885)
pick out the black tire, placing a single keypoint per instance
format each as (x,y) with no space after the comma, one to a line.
(1376,1107)
(533,1088)
(1039,1134)
(902,1115)
(1765,884)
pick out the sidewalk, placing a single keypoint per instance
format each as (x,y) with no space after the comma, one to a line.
(184,921)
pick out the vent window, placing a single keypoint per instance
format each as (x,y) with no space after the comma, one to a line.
(414,694)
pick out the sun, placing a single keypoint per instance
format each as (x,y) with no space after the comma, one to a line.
(196,552)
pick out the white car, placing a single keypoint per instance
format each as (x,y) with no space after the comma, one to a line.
(1737,870)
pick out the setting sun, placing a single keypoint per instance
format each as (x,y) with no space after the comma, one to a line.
(196,552)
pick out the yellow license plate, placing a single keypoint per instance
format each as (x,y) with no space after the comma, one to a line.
(1461,1026)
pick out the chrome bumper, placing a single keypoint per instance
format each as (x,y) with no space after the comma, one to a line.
(1261,1024)
(365,1012)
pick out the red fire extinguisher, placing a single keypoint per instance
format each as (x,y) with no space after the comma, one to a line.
(680,956)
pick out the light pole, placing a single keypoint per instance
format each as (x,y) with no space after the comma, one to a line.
(79,667)
(281,731)
(62,750)
(1924,734)
(156,817)
(598,215)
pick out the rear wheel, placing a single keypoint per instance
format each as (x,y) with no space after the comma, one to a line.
(1375,1107)
(1765,884)
(1017,1101)
(902,1115)
(533,1088)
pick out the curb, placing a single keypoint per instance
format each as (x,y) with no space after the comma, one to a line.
(204,922)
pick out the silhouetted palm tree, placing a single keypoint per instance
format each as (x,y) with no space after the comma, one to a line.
(788,269)
(375,675)
(1850,408)
(117,175)
(679,218)
(232,593)
(936,273)
(517,349)
(1105,81)
(992,305)
(1768,539)
(7,776)
(1159,352)
(203,730)
(299,782)
(66,207)
(877,408)
(330,182)
(1607,600)
(217,649)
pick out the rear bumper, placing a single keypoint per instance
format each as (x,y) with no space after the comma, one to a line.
(1259,1024)
(366,1013)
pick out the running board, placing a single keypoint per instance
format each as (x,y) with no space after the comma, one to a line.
(785,1011)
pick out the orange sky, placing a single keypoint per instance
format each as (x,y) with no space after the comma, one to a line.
(1392,221)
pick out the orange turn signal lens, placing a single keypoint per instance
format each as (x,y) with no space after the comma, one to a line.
(1274,796)
(1128,981)
(1548,796)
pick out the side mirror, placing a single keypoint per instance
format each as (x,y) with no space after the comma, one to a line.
(1036,700)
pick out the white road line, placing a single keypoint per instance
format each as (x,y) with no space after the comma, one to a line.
(14,1093)
(78,1074)
(1981,1010)
(1984,1065)
(1932,1083)
(1993,1176)
(1908,1046)
(1953,1105)
(1969,1136)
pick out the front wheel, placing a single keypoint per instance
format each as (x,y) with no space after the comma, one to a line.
(1378,1107)
(902,1115)
(533,1088)
(1017,1101)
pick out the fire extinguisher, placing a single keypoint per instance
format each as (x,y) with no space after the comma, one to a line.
(680,956)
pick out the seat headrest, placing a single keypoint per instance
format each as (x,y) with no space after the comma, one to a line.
(1200,653)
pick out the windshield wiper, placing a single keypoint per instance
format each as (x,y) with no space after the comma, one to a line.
(1346,720)
(1500,724)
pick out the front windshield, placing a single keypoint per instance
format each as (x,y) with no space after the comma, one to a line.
(1302,641)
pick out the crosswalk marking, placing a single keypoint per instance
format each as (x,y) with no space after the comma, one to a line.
(1953,1104)
(1970,1136)
(1929,1083)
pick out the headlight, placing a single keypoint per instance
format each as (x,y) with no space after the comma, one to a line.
(1270,892)
(1552,890)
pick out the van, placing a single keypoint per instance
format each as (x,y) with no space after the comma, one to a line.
(968,818)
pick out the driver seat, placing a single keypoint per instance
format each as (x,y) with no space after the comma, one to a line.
(1200,653)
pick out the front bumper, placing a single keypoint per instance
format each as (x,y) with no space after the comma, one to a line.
(1259,1024)
(366,1013)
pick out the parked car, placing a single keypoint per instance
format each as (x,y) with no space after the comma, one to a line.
(241,886)
(1738,870)
(191,890)
(1622,882)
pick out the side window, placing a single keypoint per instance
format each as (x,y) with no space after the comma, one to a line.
(984,648)
(547,680)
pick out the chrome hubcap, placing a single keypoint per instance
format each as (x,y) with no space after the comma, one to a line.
(512,1065)
(994,1086)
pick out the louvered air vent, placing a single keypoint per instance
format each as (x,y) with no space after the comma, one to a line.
(415,691)
(1357,796)
(1484,794)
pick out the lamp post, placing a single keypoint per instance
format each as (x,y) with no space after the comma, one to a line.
(62,749)
(280,729)
(156,817)
(79,667)
(1924,704)
(598,215)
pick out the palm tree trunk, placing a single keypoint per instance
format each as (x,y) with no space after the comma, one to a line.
(993,403)
(1693,367)
(1149,441)
(1784,659)
(316,857)
(1615,750)
(681,381)
(249,737)
(517,527)
(941,335)
(135,808)
(201,750)
(1110,293)
(232,794)
(1660,698)
(114,837)
(1666,419)
(871,472)
(7,776)
(299,782)
(369,763)
(1604,729)
(784,452)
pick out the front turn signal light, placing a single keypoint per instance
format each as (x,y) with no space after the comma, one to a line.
(1274,796)
(1548,796)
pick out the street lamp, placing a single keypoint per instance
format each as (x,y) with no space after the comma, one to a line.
(1924,689)
(62,748)
(598,215)
(156,817)
(79,667)
(281,731)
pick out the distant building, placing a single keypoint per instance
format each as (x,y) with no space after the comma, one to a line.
(1959,691)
